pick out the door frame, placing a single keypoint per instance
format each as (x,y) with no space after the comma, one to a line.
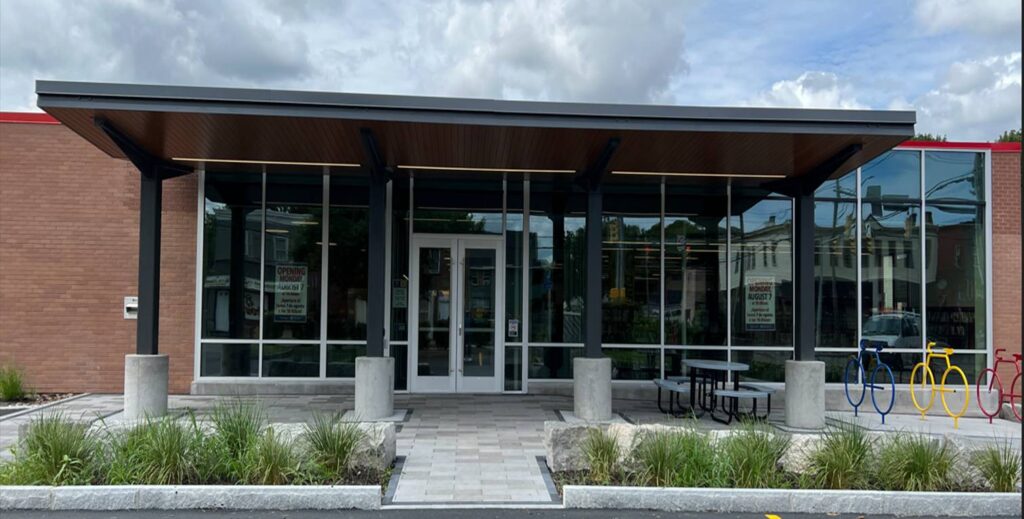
(456,383)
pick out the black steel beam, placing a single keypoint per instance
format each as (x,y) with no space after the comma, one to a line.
(142,159)
(591,180)
(807,183)
(593,174)
(803,274)
(376,310)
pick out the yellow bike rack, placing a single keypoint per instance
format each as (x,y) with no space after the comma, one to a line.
(927,377)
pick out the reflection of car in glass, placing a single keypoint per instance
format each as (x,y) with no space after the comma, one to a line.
(894,329)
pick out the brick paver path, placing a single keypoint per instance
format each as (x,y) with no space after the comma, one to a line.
(474,448)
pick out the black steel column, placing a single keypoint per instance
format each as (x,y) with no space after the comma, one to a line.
(803,276)
(376,284)
(592,305)
(150,201)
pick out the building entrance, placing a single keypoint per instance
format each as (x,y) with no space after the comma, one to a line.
(457,307)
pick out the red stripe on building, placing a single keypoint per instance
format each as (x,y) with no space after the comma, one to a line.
(27,118)
(996,147)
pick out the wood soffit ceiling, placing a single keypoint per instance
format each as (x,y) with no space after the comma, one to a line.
(758,147)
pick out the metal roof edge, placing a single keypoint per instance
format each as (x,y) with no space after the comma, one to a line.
(89,93)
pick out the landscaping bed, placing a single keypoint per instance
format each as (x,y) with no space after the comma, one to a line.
(234,446)
(756,456)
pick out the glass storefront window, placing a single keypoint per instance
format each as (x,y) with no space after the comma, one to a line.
(765,366)
(557,269)
(232,220)
(292,241)
(552,362)
(399,260)
(891,273)
(341,359)
(291,360)
(892,176)
(674,358)
(955,287)
(635,363)
(762,271)
(842,187)
(514,261)
(229,360)
(695,262)
(631,264)
(954,176)
(513,367)
(348,236)
(835,273)
(457,204)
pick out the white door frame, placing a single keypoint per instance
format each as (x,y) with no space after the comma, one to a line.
(455,381)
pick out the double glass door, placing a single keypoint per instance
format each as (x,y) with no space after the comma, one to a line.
(457,308)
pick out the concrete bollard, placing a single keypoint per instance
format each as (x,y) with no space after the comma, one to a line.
(805,394)
(592,389)
(145,386)
(375,395)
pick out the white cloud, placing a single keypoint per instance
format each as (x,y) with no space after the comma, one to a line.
(982,17)
(579,50)
(813,89)
(976,100)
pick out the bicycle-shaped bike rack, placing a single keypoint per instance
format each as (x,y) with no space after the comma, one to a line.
(994,382)
(855,367)
(922,373)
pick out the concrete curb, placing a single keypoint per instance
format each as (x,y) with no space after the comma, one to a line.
(190,497)
(937,504)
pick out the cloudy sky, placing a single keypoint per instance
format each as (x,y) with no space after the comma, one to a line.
(957,62)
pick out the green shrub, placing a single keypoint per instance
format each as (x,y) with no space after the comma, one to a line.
(841,460)
(331,444)
(677,459)
(56,451)
(1000,465)
(602,453)
(271,460)
(12,384)
(750,457)
(237,425)
(914,463)
(157,452)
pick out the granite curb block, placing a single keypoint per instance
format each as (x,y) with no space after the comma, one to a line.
(936,504)
(190,497)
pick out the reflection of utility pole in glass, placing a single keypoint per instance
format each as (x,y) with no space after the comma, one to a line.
(682,270)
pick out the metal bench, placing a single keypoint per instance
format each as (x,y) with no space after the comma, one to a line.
(675,386)
(731,402)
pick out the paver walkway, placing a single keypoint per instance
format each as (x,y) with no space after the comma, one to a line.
(474,448)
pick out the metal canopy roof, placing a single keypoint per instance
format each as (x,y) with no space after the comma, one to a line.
(176,122)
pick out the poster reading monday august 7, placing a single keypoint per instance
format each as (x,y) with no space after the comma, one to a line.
(760,304)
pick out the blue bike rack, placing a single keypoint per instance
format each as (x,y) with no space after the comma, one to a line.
(857,362)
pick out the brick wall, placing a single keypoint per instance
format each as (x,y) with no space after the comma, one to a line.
(69,255)
(1006,258)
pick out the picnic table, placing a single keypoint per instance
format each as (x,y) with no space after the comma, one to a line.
(707,383)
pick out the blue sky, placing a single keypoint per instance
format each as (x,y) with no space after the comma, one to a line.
(956,62)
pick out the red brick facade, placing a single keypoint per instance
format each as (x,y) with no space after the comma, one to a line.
(1006,259)
(69,254)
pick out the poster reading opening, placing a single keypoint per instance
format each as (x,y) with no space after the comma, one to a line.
(760,304)
(290,294)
